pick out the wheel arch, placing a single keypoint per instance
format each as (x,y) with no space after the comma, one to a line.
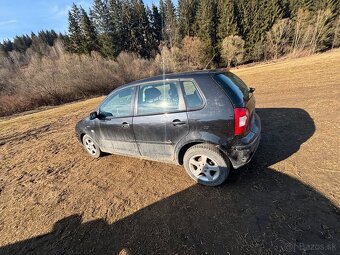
(81,136)
(186,147)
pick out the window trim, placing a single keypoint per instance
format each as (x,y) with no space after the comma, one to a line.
(182,106)
(204,101)
(112,94)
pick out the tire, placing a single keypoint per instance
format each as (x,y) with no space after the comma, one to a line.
(206,164)
(91,147)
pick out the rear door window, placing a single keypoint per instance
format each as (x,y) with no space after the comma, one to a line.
(192,97)
(158,98)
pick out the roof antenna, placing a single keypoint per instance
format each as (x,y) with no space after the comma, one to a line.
(205,68)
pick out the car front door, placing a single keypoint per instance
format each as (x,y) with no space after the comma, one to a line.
(160,120)
(115,130)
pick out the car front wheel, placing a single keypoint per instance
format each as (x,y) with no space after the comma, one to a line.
(206,164)
(91,146)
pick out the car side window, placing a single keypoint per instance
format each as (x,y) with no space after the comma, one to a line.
(118,104)
(192,97)
(158,98)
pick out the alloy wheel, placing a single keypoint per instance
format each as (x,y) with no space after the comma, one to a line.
(90,146)
(204,168)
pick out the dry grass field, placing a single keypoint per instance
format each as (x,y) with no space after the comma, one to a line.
(54,199)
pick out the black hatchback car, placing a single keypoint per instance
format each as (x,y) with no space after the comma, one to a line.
(204,120)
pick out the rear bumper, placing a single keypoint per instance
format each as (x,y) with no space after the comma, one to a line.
(243,152)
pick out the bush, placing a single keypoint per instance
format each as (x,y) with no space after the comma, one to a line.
(68,77)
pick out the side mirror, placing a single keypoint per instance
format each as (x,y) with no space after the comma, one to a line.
(93,115)
(251,90)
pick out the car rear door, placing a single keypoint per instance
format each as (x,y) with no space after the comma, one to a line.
(160,120)
(115,129)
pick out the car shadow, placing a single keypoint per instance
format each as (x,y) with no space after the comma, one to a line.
(259,211)
(283,131)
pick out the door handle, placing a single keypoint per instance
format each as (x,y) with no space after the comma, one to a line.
(178,122)
(125,125)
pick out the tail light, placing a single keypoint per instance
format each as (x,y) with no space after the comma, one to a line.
(241,116)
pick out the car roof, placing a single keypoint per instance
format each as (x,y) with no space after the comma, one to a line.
(183,75)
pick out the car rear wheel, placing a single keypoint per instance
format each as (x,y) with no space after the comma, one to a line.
(91,147)
(206,164)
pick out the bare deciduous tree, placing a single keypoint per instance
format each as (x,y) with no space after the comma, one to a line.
(47,81)
(232,49)
(302,30)
(192,52)
(321,30)
(170,60)
(311,32)
(336,36)
(277,38)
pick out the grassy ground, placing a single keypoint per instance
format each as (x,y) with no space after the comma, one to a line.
(55,199)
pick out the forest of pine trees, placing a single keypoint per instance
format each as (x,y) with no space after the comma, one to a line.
(258,29)
(33,41)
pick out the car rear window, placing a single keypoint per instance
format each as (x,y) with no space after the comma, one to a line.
(231,81)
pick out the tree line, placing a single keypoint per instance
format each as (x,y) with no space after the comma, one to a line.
(32,41)
(221,31)
(117,41)
(195,33)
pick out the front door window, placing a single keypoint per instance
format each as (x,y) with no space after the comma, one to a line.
(118,104)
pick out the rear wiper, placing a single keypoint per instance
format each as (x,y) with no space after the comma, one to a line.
(251,90)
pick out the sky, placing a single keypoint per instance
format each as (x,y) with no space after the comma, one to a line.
(18,17)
